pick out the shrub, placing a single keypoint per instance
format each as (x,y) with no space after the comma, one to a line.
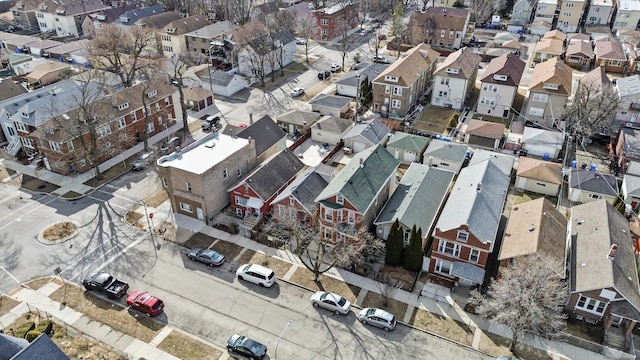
(32,335)
(22,329)
(45,326)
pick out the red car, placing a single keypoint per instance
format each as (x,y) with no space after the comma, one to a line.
(145,302)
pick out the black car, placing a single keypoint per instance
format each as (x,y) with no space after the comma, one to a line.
(245,348)
(324,74)
(210,122)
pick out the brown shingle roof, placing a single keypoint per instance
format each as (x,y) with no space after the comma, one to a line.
(552,71)
(465,60)
(549,46)
(555,34)
(158,21)
(540,170)
(186,25)
(578,47)
(485,129)
(418,59)
(611,50)
(598,77)
(507,64)
(441,18)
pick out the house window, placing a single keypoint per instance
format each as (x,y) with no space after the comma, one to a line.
(566,14)
(225,174)
(164,182)
(325,32)
(396,104)
(324,21)
(70,146)
(490,88)
(449,248)
(188,187)
(328,233)
(150,127)
(328,215)
(406,236)
(241,200)
(103,130)
(134,117)
(351,218)
(474,256)
(569,5)
(239,172)
(292,214)
(339,216)
(536,111)
(340,199)
(40,15)
(167,48)
(123,106)
(450,34)
(615,62)
(441,33)
(152,93)
(462,236)
(282,210)
(21,126)
(186,207)
(27,143)
(397,91)
(444,81)
(122,123)
(443,94)
(443,267)
(594,196)
(487,101)
(591,305)
(55,146)
(387,89)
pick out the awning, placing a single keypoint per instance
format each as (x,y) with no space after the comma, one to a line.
(468,271)
(254,203)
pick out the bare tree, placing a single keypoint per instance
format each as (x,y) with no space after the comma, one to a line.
(344,23)
(307,28)
(388,286)
(483,9)
(593,108)
(528,296)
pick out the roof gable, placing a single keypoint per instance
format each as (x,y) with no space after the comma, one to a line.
(409,68)
(485,129)
(551,75)
(447,150)
(402,140)
(540,170)
(273,173)
(373,131)
(305,188)
(265,132)
(507,65)
(593,181)
(459,64)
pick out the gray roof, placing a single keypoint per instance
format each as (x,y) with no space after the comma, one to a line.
(213,30)
(633,168)
(479,210)
(468,271)
(273,173)
(11,345)
(373,131)
(446,150)
(298,117)
(41,348)
(330,101)
(333,124)
(593,181)
(595,227)
(632,185)
(410,142)
(265,132)
(503,161)
(631,142)
(221,78)
(369,71)
(137,14)
(628,85)
(9,89)
(305,188)
(418,197)
(358,182)
(544,137)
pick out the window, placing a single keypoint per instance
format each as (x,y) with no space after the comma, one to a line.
(55,146)
(325,32)
(551,86)
(614,62)
(150,127)
(339,216)
(443,93)
(443,267)
(152,93)
(449,248)
(21,126)
(40,15)
(134,117)
(241,200)
(396,104)
(282,210)
(397,91)
(166,38)
(591,305)
(27,143)
(569,5)
(103,130)
(164,182)
(70,146)
(340,199)
(462,236)
(167,48)
(487,101)
(387,89)
(186,207)
(490,88)
(441,33)
(351,218)
(225,174)
(391,78)
(328,215)
(292,201)
(188,187)
(536,111)
(444,81)
(566,14)
(122,123)
(42,24)
(292,214)
(474,256)
(594,196)
(123,106)
(328,233)
(324,21)
(405,237)
(450,34)
(452,71)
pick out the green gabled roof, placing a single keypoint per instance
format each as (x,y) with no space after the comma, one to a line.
(408,142)
(363,177)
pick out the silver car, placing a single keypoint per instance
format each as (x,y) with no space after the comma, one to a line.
(206,256)
(331,301)
(377,317)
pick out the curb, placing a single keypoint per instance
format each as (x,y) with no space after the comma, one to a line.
(75,232)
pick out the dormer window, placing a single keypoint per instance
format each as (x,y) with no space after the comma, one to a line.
(551,86)
(462,236)
(44,7)
(171,30)
(453,71)
(500,77)
(123,106)
(102,17)
(124,19)
(60,11)
(19,6)
(49,130)
(152,93)
(340,199)
(25,115)
(391,78)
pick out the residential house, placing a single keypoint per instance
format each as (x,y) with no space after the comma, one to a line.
(65,17)
(335,20)
(328,104)
(579,53)
(446,155)
(197,98)
(439,27)
(16,43)
(628,90)
(600,12)
(348,84)
(503,37)
(256,56)
(174,36)
(549,90)
(535,228)
(214,39)
(603,286)
(539,27)
(630,190)
(265,13)
(198,188)
(118,128)
(504,162)
(630,40)
(330,129)
(14,348)
(40,47)
(611,56)
(484,133)
(542,143)
(467,228)
(591,185)
(24,13)
(402,85)
(522,13)
(598,33)
(499,85)
(252,195)
(10,88)
(130,17)
(297,201)
(45,74)
(408,148)
(93,23)
(627,15)
(71,52)
(539,176)
(547,48)
(455,79)
(224,83)
(571,12)
(269,137)
(297,121)
(628,146)
(364,135)
(158,21)
(417,201)
(355,195)
(544,12)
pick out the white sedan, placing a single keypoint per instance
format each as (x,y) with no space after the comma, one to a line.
(297,92)
(331,301)
(335,67)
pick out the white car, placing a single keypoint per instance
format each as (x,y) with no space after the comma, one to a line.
(297,92)
(363,32)
(331,301)
(380,59)
(377,317)
(335,67)
(259,275)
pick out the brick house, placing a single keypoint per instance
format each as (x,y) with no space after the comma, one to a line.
(335,20)
(611,56)
(439,27)
(297,201)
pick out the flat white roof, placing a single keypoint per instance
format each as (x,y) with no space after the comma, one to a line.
(629,5)
(205,153)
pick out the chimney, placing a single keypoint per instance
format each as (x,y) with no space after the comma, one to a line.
(361,163)
(250,118)
(612,251)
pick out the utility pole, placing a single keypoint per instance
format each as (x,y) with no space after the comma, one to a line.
(275,351)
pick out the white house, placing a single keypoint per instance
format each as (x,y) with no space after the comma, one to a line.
(627,16)
(446,155)
(330,129)
(600,12)
(499,85)
(541,142)
(455,79)
(65,17)
(265,54)
(545,10)
(587,186)
(628,90)
(541,177)
(521,13)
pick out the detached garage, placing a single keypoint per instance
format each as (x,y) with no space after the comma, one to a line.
(484,133)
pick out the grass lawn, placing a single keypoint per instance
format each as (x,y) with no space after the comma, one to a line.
(36,284)
(443,326)
(229,250)
(278,266)
(199,240)
(494,344)
(434,119)
(519,198)
(108,313)
(6,304)
(398,308)
(186,347)
(493,119)
(399,273)
(303,277)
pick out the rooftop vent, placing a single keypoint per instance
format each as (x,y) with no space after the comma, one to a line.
(612,251)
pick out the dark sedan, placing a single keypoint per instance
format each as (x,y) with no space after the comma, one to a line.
(206,256)
(242,346)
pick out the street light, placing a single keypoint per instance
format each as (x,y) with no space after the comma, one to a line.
(275,351)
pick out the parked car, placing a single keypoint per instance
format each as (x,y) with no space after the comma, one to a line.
(301,41)
(145,302)
(380,59)
(170,145)
(104,283)
(259,275)
(206,256)
(331,301)
(335,67)
(246,348)
(377,317)
(144,159)
(363,32)
(324,74)
(210,122)
(297,92)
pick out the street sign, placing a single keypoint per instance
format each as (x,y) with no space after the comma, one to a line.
(150,215)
